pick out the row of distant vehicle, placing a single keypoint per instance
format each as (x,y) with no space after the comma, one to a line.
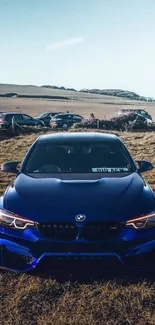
(51,119)
(67,119)
(59,119)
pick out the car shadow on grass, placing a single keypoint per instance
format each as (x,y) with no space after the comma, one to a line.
(123,278)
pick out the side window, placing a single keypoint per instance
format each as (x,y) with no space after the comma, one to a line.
(9,117)
(17,117)
(143,113)
(64,116)
(76,117)
(60,116)
(71,117)
(26,117)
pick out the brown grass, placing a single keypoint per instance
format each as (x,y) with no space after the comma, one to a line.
(46,302)
(27,299)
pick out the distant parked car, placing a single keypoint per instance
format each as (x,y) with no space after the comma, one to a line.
(46,117)
(65,120)
(140,112)
(20,119)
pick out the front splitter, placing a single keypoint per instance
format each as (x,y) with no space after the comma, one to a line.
(18,258)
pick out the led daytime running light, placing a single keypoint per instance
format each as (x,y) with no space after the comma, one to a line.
(147,221)
(141,218)
(6,214)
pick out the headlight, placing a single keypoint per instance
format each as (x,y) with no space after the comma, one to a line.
(144,222)
(10,220)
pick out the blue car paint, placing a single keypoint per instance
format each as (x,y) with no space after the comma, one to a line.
(39,199)
(112,199)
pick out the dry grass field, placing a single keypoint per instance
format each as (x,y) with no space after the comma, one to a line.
(36,300)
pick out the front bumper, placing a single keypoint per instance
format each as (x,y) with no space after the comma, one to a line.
(20,258)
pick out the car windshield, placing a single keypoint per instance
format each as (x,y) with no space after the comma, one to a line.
(78,158)
(144,113)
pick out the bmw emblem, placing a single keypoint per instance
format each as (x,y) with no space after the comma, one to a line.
(80,217)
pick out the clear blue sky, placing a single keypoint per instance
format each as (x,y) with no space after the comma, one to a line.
(79,43)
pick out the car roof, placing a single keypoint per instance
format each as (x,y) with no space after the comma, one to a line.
(132,109)
(11,113)
(79,136)
(56,113)
(68,114)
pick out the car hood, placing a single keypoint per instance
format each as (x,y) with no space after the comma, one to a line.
(55,199)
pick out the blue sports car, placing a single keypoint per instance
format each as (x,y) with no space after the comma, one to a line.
(77,202)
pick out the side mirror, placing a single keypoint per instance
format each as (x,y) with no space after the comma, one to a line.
(144,166)
(10,167)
